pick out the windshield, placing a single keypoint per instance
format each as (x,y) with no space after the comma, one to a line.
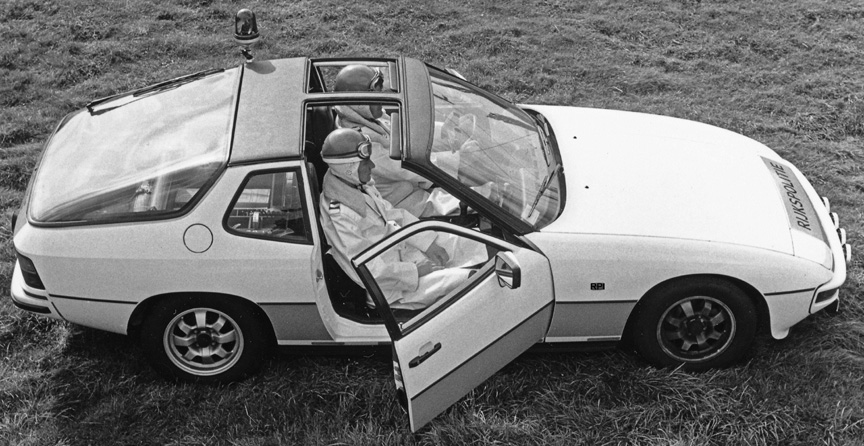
(494,148)
(138,157)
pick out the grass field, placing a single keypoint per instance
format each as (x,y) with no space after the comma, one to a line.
(787,73)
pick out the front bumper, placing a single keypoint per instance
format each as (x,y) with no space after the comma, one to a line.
(828,294)
(789,308)
(31,299)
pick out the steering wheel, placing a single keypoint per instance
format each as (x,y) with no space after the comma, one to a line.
(465,219)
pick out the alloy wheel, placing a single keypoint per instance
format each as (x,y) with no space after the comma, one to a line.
(203,341)
(696,328)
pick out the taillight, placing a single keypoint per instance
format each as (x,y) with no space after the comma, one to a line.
(28,270)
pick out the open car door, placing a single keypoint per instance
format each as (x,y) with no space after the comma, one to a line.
(492,302)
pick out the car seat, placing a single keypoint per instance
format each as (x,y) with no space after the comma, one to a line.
(348,298)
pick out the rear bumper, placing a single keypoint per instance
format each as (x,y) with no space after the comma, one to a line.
(31,299)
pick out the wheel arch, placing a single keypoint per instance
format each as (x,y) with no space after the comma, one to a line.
(145,307)
(759,303)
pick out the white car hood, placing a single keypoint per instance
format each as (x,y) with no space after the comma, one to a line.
(655,176)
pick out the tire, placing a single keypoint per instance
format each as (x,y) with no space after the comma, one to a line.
(204,339)
(697,324)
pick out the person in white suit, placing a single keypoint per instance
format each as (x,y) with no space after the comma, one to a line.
(402,188)
(354,216)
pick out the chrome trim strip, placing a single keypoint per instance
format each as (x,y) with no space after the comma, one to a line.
(778,293)
(557,339)
(85,299)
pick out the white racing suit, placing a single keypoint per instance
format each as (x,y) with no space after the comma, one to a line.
(407,190)
(353,221)
(402,188)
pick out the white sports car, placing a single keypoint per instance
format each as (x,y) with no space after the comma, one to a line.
(185,213)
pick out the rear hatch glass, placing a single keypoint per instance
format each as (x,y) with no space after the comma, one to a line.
(145,155)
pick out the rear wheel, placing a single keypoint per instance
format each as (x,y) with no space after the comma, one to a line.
(208,338)
(698,323)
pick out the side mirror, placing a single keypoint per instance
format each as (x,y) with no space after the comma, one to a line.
(508,271)
(395,137)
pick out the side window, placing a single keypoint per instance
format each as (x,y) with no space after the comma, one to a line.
(269,206)
(409,279)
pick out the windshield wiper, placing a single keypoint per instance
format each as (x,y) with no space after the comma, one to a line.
(176,82)
(161,86)
(509,120)
(555,168)
(543,124)
(543,186)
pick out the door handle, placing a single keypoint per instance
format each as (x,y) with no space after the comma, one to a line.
(424,356)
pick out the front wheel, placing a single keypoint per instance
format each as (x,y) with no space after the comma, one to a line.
(207,338)
(696,323)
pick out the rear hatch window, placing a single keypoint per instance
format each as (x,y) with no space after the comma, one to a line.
(146,155)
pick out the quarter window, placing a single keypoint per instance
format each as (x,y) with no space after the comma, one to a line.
(269,206)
